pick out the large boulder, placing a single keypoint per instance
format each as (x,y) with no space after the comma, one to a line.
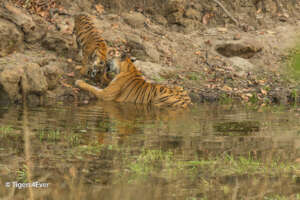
(33,28)
(62,44)
(135,19)
(141,49)
(174,11)
(52,72)
(18,78)
(243,49)
(11,38)
(242,66)
(152,71)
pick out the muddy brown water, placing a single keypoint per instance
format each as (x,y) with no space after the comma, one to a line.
(113,151)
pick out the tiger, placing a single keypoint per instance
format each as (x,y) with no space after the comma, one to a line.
(92,47)
(129,85)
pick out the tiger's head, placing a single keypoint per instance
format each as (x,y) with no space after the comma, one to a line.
(98,64)
(121,64)
(98,60)
(115,66)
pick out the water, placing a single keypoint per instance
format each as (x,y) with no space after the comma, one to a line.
(113,151)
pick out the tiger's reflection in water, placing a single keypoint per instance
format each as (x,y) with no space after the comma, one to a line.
(127,119)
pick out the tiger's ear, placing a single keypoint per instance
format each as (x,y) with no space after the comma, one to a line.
(124,56)
(111,51)
(133,59)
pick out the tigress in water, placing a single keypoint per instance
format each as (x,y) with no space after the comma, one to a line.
(92,47)
(129,85)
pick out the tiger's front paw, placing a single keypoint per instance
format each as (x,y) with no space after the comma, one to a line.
(78,83)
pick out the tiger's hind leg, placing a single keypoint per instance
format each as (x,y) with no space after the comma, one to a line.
(94,90)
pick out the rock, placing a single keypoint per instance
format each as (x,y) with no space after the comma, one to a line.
(10,83)
(135,19)
(32,31)
(192,14)
(152,52)
(237,37)
(174,11)
(175,18)
(11,38)
(160,19)
(17,16)
(174,6)
(189,24)
(38,32)
(137,48)
(244,49)
(52,73)
(283,18)
(134,41)
(141,49)
(195,97)
(280,95)
(4,98)
(62,44)
(84,5)
(242,66)
(21,76)
(34,80)
(151,70)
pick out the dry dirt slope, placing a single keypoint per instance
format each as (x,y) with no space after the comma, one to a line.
(215,49)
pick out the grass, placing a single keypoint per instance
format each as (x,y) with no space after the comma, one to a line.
(159,79)
(229,165)
(73,139)
(157,162)
(280,197)
(149,162)
(253,99)
(22,174)
(91,149)
(193,76)
(50,136)
(225,99)
(105,126)
(294,96)
(294,62)
(4,130)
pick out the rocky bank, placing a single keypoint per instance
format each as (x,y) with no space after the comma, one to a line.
(217,50)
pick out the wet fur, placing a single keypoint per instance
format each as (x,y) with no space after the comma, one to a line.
(130,86)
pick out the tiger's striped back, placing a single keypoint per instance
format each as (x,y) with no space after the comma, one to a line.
(92,46)
(134,88)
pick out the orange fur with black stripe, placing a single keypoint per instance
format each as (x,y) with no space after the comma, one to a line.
(92,46)
(129,85)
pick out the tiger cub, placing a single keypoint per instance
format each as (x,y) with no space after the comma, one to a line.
(129,85)
(92,47)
